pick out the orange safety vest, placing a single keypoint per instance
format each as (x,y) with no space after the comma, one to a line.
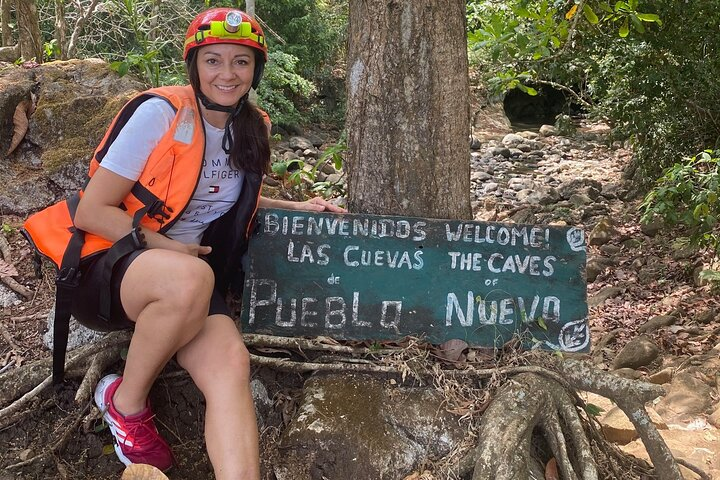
(163,191)
(180,150)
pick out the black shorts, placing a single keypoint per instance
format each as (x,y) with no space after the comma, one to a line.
(86,301)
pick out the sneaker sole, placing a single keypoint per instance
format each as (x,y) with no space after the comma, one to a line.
(100,402)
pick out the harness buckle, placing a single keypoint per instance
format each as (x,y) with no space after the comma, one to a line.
(68,277)
(156,211)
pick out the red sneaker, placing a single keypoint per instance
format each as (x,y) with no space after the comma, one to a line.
(135,438)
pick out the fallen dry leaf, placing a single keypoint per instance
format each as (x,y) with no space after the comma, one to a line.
(139,471)
(20,124)
(453,349)
(551,470)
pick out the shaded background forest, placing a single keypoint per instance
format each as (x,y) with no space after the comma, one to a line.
(648,69)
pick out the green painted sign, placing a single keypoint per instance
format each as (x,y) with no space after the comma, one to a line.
(383,277)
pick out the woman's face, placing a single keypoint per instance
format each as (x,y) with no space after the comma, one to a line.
(225,71)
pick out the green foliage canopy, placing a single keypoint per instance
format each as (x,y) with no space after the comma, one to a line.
(645,66)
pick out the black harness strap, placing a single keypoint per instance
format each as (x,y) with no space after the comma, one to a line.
(68,278)
(135,240)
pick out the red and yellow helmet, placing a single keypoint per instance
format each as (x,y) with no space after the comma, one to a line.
(225,25)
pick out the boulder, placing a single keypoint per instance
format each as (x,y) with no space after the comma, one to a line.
(359,427)
(76,101)
(701,448)
(688,397)
(657,322)
(639,352)
(603,232)
(618,428)
(548,131)
(602,295)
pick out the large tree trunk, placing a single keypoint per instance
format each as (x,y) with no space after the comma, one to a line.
(5,8)
(29,37)
(408,111)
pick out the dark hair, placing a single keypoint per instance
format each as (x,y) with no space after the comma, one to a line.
(251,147)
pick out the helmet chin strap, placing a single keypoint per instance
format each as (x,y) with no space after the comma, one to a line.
(227,141)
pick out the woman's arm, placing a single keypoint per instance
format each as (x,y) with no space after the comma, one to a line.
(315,204)
(98,213)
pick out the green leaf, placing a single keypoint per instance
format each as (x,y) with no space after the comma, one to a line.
(593,410)
(605,7)
(590,15)
(639,27)
(649,17)
(624,29)
(541,323)
(279,168)
(531,91)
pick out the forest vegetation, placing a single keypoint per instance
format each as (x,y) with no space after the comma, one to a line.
(648,69)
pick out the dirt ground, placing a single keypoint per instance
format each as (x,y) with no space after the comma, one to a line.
(87,453)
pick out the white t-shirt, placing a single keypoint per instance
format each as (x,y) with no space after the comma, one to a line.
(219,185)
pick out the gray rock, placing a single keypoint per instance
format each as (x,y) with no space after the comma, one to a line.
(609,249)
(300,143)
(579,199)
(651,228)
(335,178)
(512,140)
(479,176)
(628,373)
(657,322)
(79,334)
(705,317)
(490,187)
(358,427)
(604,294)
(548,131)
(8,298)
(25,198)
(595,266)
(311,152)
(501,151)
(603,232)
(639,352)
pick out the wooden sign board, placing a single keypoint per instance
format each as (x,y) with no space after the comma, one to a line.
(375,277)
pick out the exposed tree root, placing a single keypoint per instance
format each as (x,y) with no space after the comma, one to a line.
(58,446)
(536,415)
(33,379)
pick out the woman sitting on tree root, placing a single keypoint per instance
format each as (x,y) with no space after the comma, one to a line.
(180,169)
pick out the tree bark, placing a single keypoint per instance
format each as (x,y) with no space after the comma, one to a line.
(408,111)
(250,7)
(5,9)
(29,36)
(61,28)
(79,25)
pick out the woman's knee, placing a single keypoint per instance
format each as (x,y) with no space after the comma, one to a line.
(183,282)
(226,365)
(190,282)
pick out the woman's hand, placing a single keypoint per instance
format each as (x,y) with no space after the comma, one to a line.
(197,250)
(317,204)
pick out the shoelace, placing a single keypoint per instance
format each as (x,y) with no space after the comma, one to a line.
(139,433)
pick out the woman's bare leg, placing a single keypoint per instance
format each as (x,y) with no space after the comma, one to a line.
(219,364)
(167,295)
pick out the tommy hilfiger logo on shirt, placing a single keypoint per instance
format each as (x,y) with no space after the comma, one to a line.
(214,189)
